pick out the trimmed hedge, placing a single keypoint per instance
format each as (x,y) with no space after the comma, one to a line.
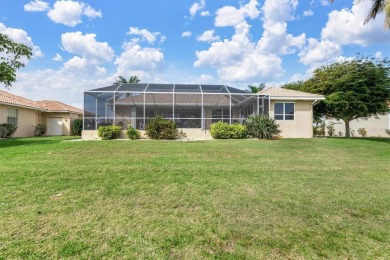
(221,130)
(109,132)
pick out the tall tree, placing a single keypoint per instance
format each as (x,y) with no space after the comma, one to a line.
(354,89)
(256,89)
(378,6)
(11,59)
(132,79)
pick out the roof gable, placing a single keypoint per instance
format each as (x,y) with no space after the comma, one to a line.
(280,93)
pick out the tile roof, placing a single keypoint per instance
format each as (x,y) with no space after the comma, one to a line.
(290,94)
(44,105)
(56,106)
(12,99)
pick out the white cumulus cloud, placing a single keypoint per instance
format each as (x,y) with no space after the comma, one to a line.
(347,26)
(36,6)
(58,57)
(150,37)
(91,12)
(308,13)
(21,36)
(87,46)
(186,34)
(136,60)
(196,7)
(69,12)
(205,13)
(318,52)
(208,36)
(232,16)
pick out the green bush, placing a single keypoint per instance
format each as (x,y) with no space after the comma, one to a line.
(7,130)
(109,132)
(40,130)
(77,126)
(133,133)
(262,127)
(362,132)
(238,131)
(221,130)
(160,128)
(331,130)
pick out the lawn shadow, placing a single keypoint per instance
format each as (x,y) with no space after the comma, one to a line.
(10,142)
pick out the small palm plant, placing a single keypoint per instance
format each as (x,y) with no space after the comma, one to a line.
(262,127)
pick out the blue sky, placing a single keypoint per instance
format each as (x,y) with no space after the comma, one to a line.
(81,45)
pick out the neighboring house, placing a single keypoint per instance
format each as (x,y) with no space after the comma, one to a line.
(292,110)
(375,125)
(195,107)
(26,114)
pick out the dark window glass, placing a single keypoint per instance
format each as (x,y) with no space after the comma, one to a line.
(289,117)
(289,108)
(278,117)
(278,108)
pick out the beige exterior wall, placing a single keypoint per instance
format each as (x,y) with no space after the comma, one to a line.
(66,126)
(302,125)
(27,120)
(375,126)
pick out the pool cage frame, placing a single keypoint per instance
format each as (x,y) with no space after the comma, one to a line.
(189,105)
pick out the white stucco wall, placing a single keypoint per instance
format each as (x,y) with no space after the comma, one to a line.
(375,126)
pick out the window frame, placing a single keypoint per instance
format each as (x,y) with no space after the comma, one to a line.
(284,111)
(12,118)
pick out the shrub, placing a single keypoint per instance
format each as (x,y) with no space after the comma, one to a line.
(160,128)
(262,127)
(133,133)
(221,130)
(353,133)
(109,132)
(331,130)
(341,134)
(238,131)
(319,130)
(387,131)
(40,130)
(7,130)
(77,126)
(362,132)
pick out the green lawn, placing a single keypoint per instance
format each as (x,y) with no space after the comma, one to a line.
(228,199)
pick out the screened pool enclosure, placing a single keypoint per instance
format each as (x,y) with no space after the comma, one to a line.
(190,106)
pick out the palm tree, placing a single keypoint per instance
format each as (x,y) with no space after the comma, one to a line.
(132,79)
(378,6)
(256,89)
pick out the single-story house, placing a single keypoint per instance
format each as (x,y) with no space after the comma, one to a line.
(26,114)
(292,110)
(195,107)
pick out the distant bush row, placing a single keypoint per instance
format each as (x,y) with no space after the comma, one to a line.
(256,126)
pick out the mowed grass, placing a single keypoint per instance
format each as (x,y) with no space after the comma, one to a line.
(227,199)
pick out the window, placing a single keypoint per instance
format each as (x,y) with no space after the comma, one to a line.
(12,117)
(284,111)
